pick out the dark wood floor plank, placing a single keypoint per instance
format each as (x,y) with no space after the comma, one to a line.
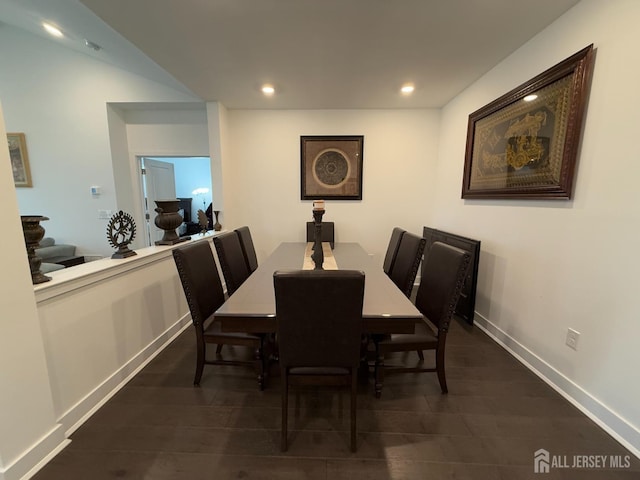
(405,469)
(179,466)
(162,415)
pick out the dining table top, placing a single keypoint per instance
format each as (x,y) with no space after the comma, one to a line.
(252,308)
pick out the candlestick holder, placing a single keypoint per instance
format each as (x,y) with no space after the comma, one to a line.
(318,255)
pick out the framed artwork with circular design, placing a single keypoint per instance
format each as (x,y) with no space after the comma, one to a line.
(331,167)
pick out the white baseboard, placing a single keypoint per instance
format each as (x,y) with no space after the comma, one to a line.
(41,452)
(57,439)
(610,421)
(73,418)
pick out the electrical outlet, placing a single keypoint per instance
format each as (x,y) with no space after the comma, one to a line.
(572,338)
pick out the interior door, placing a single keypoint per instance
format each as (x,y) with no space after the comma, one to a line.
(159,184)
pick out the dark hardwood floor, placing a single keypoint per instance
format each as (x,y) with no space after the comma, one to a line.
(496,415)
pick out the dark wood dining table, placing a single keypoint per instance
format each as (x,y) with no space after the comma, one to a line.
(252,307)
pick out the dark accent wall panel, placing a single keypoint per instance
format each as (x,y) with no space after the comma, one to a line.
(467,303)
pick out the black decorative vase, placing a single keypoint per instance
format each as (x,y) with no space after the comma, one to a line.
(216,226)
(168,219)
(33,233)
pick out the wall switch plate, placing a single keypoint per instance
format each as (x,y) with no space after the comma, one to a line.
(104,214)
(572,338)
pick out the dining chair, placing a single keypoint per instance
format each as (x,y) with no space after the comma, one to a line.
(405,266)
(328,232)
(392,249)
(248,250)
(440,286)
(202,288)
(319,324)
(234,267)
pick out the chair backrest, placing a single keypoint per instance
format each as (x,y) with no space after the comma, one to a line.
(319,317)
(248,250)
(407,261)
(442,279)
(392,249)
(232,262)
(328,232)
(200,280)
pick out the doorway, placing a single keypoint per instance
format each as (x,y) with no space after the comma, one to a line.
(184,178)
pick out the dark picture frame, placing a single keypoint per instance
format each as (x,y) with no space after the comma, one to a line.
(519,148)
(331,167)
(19,159)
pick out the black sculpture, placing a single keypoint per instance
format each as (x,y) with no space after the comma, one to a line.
(121,230)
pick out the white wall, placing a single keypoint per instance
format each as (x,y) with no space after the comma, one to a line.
(262,174)
(58,98)
(103,321)
(546,266)
(28,430)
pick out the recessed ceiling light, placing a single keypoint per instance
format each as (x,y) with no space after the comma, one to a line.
(268,89)
(530,98)
(55,31)
(407,89)
(92,45)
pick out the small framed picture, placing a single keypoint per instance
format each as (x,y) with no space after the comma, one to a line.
(19,159)
(331,167)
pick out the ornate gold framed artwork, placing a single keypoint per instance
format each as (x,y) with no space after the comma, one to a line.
(331,167)
(19,159)
(525,143)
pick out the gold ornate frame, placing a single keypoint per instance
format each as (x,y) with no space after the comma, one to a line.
(525,143)
(19,159)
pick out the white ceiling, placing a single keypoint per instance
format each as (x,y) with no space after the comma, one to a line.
(317,53)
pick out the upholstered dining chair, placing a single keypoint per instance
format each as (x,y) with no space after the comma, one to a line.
(328,233)
(203,290)
(232,263)
(319,324)
(405,266)
(248,250)
(392,249)
(438,293)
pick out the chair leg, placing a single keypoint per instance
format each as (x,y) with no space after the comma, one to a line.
(285,408)
(440,370)
(259,364)
(420,355)
(379,372)
(267,357)
(200,357)
(219,348)
(273,347)
(354,397)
